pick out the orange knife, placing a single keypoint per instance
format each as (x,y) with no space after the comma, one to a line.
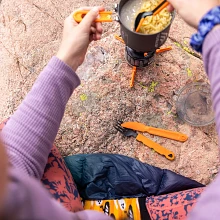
(155,131)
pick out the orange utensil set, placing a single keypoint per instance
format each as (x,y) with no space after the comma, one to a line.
(136,126)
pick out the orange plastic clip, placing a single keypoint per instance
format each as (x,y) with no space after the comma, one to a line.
(134,70)
(104,16)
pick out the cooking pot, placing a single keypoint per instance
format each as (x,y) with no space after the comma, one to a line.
(142,42)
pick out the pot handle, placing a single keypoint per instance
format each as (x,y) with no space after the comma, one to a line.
(104,16)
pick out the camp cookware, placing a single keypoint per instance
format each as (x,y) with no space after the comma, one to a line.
(142,42)
(146,141)
(155,131)
(135,40)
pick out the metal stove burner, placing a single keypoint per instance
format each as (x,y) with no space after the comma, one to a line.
(138,59)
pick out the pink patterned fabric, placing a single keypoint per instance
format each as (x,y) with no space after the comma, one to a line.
(174,205)
(58,180)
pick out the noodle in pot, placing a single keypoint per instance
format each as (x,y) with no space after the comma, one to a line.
(157,23)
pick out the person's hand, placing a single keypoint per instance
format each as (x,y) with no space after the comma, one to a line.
(192,11)
(76,37)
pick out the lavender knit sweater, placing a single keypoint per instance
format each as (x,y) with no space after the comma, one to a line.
(28,137)
(30,133)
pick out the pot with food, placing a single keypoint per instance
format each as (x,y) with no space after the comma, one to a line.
(153,32)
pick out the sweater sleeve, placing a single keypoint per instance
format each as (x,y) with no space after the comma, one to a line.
(208,203)
(30,132)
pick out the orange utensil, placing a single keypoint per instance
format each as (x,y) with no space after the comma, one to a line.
(134,70)
(155,131)
(149,143)
(157,147)
(104,16)
(140,24)
(161,8)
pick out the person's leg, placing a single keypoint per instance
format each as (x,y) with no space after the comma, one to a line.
(58,180)
(174,205)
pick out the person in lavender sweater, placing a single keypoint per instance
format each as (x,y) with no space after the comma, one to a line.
(28,136)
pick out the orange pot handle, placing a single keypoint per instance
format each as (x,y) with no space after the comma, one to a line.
(104,16)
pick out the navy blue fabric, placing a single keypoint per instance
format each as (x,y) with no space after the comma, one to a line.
(113,176)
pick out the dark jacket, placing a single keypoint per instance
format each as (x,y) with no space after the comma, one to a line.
(112,176)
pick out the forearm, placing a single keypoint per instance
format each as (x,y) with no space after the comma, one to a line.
(207,206)
(211,55)
(30,132)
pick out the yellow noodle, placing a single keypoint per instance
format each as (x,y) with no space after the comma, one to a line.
(154,24)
